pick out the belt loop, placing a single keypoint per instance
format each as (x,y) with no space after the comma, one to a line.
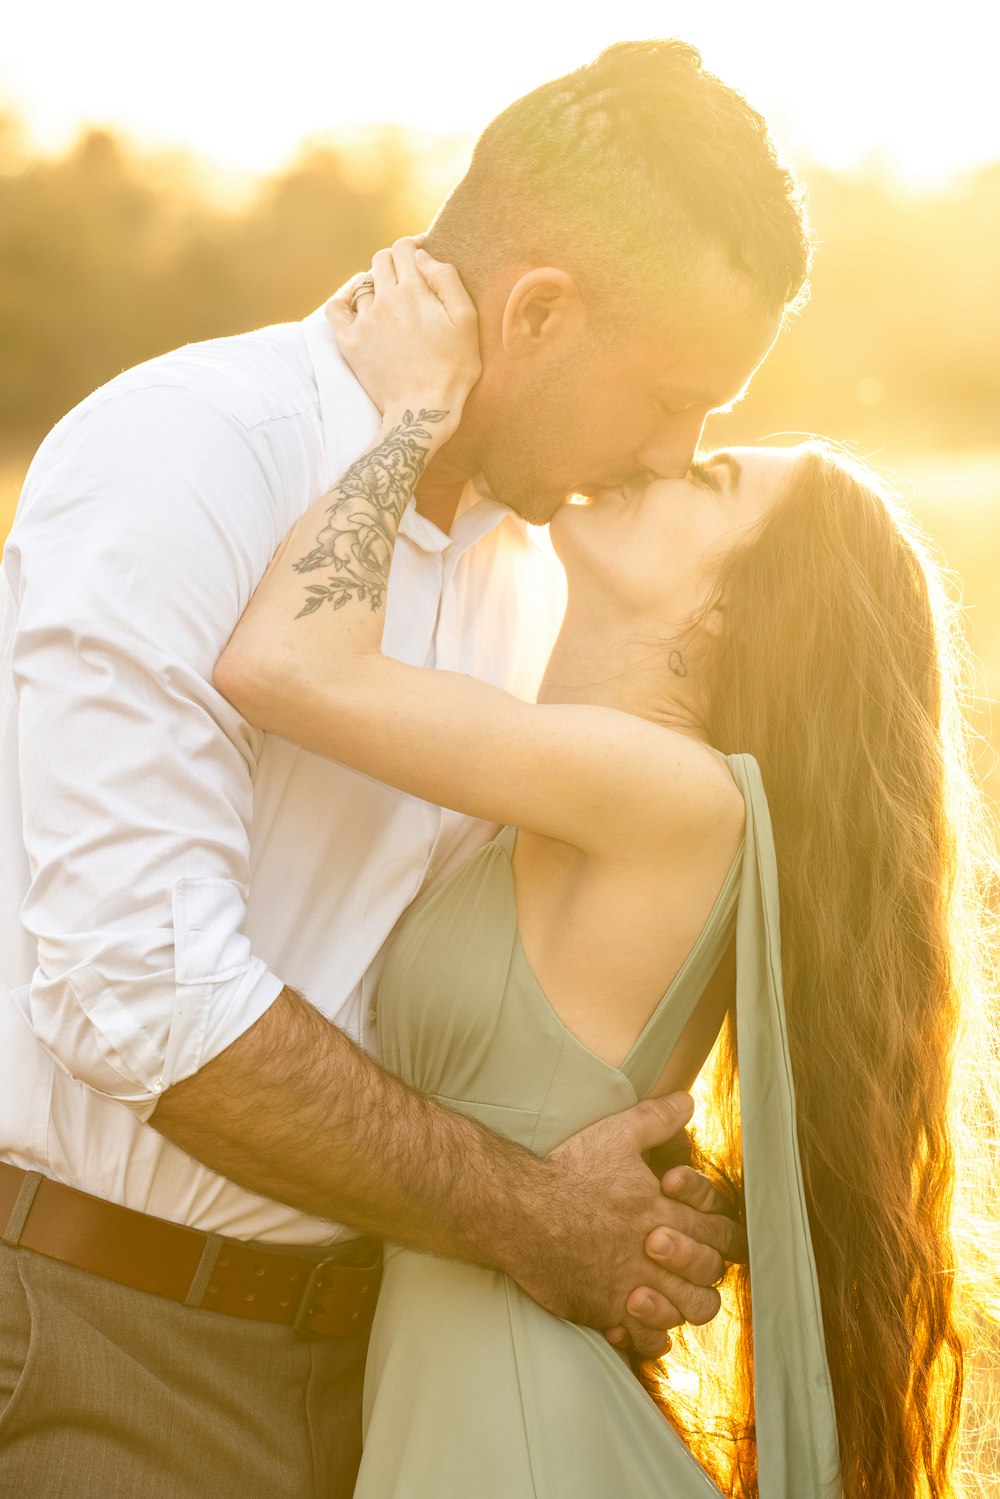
(22,1207)
(203,1274)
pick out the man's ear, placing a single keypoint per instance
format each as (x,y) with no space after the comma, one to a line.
(544,310)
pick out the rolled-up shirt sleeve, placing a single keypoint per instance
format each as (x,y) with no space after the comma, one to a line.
(147,520)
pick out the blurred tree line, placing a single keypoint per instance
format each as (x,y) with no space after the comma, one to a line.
(107,258)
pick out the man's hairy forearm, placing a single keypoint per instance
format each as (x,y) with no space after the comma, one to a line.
(294,1110)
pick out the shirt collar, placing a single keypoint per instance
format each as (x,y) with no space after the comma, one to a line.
(471,523)
(350,422)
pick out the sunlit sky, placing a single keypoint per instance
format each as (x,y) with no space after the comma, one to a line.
(910,85)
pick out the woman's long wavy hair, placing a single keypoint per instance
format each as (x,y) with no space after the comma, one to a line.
(837,660)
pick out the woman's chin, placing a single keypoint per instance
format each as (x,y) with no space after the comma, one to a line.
(563,525)
(582,524)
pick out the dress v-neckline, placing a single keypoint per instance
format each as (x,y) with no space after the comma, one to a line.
(697,967)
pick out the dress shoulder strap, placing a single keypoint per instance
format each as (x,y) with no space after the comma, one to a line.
(505,839)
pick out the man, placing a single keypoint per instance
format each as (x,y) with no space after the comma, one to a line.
(173,882)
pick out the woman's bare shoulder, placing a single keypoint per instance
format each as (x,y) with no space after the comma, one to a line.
(683,789)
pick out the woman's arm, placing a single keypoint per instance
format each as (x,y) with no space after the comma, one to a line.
(305,661)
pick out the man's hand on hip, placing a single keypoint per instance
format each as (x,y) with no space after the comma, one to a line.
(695,1250)
(296,1111)
(622,1251)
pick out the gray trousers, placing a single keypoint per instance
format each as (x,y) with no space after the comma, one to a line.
(110,1393)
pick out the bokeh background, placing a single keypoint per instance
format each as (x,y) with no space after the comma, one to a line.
(175,174)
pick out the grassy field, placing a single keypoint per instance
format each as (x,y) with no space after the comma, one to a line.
(956,498)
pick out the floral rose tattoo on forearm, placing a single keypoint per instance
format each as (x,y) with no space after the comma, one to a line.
(364,512)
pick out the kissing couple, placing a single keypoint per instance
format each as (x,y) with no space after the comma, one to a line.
(283,649)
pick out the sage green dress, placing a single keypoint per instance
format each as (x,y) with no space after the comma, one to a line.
(473,1391)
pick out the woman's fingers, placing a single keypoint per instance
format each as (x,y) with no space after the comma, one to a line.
(339,314)
(384,271)
(342,308)
(409,332)
(404,260)
(407,265)
(345,294)
(446,284)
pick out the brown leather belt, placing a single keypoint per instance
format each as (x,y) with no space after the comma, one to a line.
(329,1290)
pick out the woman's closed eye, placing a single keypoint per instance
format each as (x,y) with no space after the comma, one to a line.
(706,476)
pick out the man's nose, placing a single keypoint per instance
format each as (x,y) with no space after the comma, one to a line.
(668,451)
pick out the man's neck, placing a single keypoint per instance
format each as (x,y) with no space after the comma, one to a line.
(440,490)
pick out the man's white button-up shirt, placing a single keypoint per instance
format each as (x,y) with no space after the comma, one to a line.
(165,868)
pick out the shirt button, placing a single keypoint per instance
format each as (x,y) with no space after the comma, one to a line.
(157,1085)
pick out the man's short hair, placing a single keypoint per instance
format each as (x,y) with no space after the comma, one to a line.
(626,173)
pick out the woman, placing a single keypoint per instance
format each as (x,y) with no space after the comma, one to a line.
(768,621)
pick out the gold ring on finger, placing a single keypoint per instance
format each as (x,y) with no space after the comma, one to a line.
(364,288)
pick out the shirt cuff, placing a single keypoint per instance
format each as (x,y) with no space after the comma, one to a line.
(93,1029)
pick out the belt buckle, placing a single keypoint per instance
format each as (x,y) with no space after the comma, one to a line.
(359,1285)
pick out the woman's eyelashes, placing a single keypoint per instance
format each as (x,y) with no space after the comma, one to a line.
(705,476)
